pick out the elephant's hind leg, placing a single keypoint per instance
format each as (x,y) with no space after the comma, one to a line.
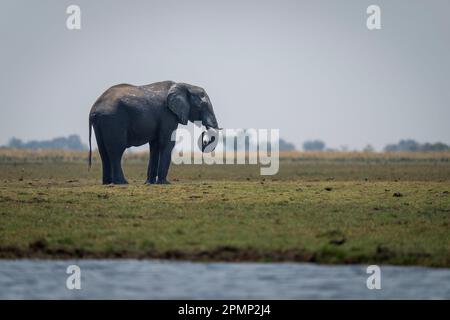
(115,143)
(118,176)
(106,162)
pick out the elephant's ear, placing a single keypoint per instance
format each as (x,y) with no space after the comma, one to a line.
(178,103)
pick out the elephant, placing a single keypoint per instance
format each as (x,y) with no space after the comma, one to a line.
(127,115)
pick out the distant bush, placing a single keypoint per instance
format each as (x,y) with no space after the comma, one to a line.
(314,145)
(412,145)
(72,142)
(438,146)
(286,146)
(369,148)
(243,140)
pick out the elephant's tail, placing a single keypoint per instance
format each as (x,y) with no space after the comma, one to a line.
(91,118)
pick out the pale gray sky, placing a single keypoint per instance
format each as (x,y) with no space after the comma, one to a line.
(310,68)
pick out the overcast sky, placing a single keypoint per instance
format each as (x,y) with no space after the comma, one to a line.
(310,68)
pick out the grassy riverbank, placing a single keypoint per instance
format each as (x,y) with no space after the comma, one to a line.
(326,208)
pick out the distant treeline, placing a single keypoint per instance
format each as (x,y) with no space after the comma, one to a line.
(242,141)
(402,145)
(411,145)
(72,142)
(314,145)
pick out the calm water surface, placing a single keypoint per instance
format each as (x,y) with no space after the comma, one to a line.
(155,279)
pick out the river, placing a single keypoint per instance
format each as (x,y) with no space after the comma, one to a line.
(155,279)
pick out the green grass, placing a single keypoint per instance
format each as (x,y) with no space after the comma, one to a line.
(322,211)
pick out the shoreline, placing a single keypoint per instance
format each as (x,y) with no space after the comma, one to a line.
(224,254)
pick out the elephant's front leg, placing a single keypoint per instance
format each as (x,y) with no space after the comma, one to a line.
(164,162)
(152,171)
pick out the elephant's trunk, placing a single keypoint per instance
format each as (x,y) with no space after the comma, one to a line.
(208,117)
(209,121)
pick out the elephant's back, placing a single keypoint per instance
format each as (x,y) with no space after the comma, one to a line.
(131,99)
(115,93)
(161,86)
(110,100)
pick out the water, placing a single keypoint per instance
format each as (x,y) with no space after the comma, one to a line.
(154,279)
